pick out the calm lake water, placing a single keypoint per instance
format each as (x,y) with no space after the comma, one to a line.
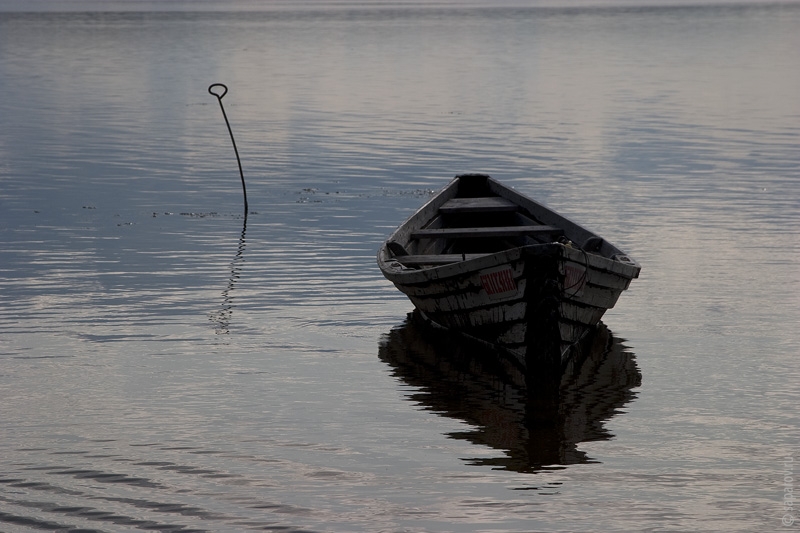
(166,367)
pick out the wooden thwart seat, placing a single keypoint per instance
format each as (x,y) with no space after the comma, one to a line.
(435,259)
(484,232)
(488,204)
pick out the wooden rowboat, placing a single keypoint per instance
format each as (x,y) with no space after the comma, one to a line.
(484,260)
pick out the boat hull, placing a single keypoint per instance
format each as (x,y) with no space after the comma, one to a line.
(534,299)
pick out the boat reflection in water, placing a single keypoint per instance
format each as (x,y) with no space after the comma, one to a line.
(537,424)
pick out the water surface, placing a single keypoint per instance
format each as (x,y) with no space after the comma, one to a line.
(167,364)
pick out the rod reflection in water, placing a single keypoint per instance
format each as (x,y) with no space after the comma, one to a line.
(536,428)
(222,318)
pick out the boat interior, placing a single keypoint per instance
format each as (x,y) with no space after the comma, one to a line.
(475,221)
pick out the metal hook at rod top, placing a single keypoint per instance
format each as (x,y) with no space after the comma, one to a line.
(224,89)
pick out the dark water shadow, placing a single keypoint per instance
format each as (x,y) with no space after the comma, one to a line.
(472,383)
(222,317)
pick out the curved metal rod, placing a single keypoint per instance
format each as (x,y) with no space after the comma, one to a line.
(230,131)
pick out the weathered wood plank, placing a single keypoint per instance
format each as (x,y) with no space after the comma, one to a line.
(499,231)
(488,204)
(435,259)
